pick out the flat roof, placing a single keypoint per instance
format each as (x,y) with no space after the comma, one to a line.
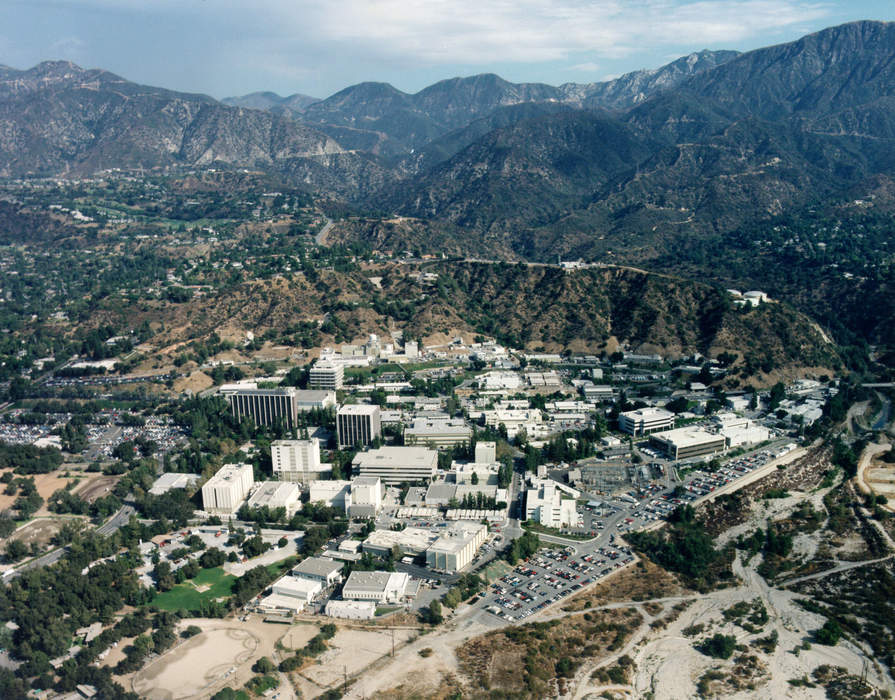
(275,492)
(374,581)
(404,456)
(228,473)
(648,412)
(318,566)
(366,481)
(687,437)
(358,409)
(297,585)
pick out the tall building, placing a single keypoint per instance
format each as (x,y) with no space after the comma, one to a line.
(326,375)
(297,460)
(455,548)
(266,407)
(485,452)
(552,504)
(645,420)
(358,424)
(224,493)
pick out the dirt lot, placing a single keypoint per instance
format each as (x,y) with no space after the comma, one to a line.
(642,581)
(46,484)
(95,487)
(39,531)
(351,651)
(200,666)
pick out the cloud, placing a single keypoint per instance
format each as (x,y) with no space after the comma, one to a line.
(589,67)
(469,32)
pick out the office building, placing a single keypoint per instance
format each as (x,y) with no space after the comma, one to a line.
(173,480)
(645,420)
(366,497)
(438,433)
(358,424)
(377,586)
(455,549)
(336,494)
(298,460)
(224,493)
(685,443)
(396,465)
(410,541)
(551,504)
(326,375)
(266,407)
(304,589)
(277,494)
(485,452)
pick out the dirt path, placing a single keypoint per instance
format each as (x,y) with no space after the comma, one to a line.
(871,451)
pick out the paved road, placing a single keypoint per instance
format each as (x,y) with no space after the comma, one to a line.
(835,570)
(320,238)
(118,520)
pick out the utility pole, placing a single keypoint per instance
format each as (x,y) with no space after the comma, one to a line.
(393,642)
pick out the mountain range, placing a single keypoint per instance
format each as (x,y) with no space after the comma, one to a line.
(629,170)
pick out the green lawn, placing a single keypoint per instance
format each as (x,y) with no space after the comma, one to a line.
(184,596)
(495,570)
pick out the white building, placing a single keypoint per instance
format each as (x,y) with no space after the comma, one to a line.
(326,375)
(377,586)
(438,433)
(598,392)
(411,349)
(358,424)
(173,480)
(310,399)
(304,589)
(410,541)
(515,420)
(551,504)
(298,460)
(366,495)
(455,549)
(351,609)
(395,465)
(485,452)
(224,493)
(321,569)
(500,381)
(336,494)
(277,494)
(688,442)
(645,420)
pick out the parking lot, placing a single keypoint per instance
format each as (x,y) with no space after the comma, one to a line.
(549,576)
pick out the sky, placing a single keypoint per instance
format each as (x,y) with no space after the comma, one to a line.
(317,47)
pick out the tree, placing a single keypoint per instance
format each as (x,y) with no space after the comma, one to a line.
(16,550)
(719,646)
(829,634)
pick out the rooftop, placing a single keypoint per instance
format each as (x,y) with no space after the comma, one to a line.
(318,566)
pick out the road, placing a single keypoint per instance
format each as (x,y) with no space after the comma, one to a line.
(118,520)
(320,238)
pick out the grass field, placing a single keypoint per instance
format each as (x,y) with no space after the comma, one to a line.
(186,596)
(496,569)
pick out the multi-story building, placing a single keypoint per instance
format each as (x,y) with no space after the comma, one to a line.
(310,399)
(438,433)
(485,452)
(685,443)
(645,420)
(358,424)
(336,494)
(266,407)
(298,460)
(277,494)
(326,375)
(551,504)
(322,569)
(224,493)
(396,465)
(455,548)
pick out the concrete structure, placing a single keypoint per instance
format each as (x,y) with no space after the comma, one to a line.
(598,392)
(377,586)
(310,399)
(645,420)
(326,571)
(411,349)
(740,431)
(336,494)
(438,433)
(514,420)
(685,443)
(224,493)
(298,460)
(485,452)
(304,589)
(173,480)
(551,504)
(351,609)
(358,424)
(454,550)
(326,375)
(366,496)
(410,541)
(396,465)
(277,494)
(266,407)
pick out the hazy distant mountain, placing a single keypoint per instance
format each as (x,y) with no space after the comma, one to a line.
(58,117)
(271,101)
